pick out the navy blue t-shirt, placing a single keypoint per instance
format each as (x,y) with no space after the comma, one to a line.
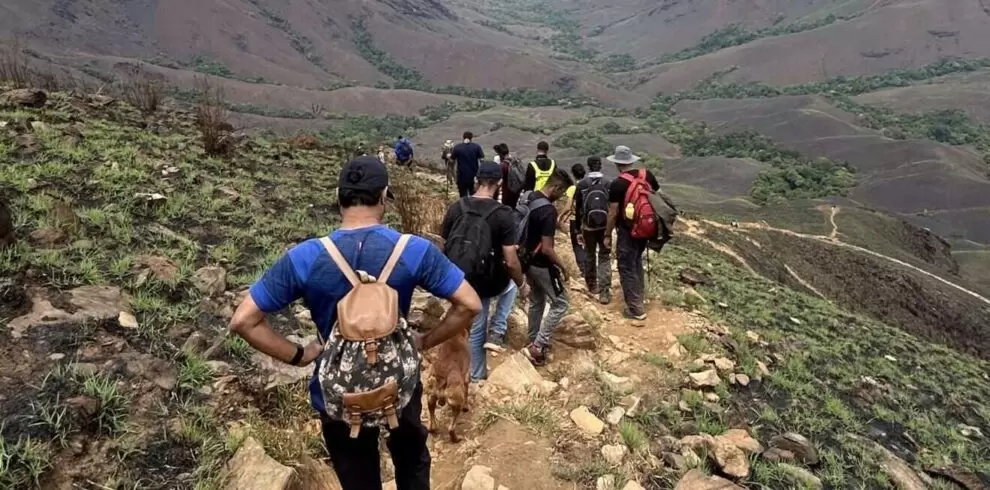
(307,271)
(468,156)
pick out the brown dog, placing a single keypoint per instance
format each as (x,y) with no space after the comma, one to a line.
(449,381)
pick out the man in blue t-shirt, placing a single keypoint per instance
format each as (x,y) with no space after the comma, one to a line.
(468,155)
(307,272)
(403,151)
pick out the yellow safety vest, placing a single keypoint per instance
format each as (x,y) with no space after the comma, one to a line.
(542,176)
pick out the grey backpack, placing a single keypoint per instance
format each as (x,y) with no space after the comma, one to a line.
(370,366)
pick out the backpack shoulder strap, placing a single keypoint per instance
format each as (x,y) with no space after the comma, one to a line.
(393,259)
(627,177)
(341,262)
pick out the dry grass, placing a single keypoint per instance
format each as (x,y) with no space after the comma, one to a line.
(211,119)
(420,209)
(13,64)
(144,92)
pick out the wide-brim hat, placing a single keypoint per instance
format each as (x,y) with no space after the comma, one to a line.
(623,156)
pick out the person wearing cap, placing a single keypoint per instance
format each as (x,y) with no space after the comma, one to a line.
(629,251)
(503,278)
(307,272)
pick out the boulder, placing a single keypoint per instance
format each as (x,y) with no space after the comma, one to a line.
(798,445)
(800,477)
(26,97)
(697,480)
(730,459)
(742,440)
(88,303)
(478,478)
(586,421)
(613,453)
(275,373)
(575,332)
(210,280)
(252,469)
(517,375)
(704,379)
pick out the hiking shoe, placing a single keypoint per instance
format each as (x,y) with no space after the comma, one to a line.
(605,297)
(495,343)
(629,315)
(536,354)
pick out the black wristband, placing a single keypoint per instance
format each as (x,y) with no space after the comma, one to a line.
(298,357)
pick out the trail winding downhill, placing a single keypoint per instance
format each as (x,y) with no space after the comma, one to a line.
(695,231)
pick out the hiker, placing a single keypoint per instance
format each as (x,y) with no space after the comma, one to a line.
(591,216)
(468,154)
(540,168)
(448,160)
(629,251)
(513,175)
(336,277)
(480,238)
(403,151)
(545,270)
(568,216)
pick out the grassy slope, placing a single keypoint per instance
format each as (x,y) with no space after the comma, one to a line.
(823,387)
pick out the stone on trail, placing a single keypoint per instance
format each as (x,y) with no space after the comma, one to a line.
(730,458)
(517,375)
(704,379)
(575,332)
(252,469)
(615,415)
(613,453)
(742,440)
(696,480)
(620,384)
(586,421)
(800,477)
(127,320)
(798,445)
(275,373)
(478,478)
(210,280)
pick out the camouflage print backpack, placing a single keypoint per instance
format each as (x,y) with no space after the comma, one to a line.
(370,365)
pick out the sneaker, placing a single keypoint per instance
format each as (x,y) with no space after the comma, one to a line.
(630,316)
(605,297)
(593,290)
(495,343)
(536,354)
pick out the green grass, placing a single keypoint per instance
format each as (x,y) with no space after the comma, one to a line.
(633,436)
(22,463)
(111,415)
(535,414)
(194,372)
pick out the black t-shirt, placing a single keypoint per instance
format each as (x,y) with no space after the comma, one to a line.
(618,188)
(468,156)
(502,223)
(542,223)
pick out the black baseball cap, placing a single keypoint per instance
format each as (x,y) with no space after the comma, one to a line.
(489,170)
(365,173)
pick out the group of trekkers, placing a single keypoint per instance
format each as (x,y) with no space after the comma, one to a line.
(358,284)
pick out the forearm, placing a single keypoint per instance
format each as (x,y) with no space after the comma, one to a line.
(515,269)
(262,337)
(554,258)
(458,318)
(610,223)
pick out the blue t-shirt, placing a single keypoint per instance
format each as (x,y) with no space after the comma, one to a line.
(403,149)
(307,271)
(468,156)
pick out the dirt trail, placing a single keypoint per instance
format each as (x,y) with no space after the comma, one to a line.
(834,235)
(832,239)
(696,232)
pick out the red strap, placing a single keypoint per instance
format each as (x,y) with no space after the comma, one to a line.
(632,187)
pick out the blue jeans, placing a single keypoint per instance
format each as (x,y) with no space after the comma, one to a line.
(479,328)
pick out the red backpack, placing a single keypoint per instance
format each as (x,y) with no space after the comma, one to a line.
(644,221)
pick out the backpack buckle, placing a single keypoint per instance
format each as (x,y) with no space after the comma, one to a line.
(371,352)
(354,420)
(390,415)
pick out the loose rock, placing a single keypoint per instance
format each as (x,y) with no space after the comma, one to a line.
(586,421)
(742,440)
(961,476)
(47,237)
(127,320)
(633,485)
(675,461)
(97,303)
(606,482)
(798,445)
(210,280)
(777,455)
(159,268)
(478,478)
(517,375)
(615,415)
(762,368)
(252,469)
(730,458)
(696,480)
(275,373)
(26,97)
(724,364)
(712,398)
(694,277)
(575,332)
(196,344)
(613,453)
(618,384)
(741,379)
(752,336)
(800,477)
(704,379)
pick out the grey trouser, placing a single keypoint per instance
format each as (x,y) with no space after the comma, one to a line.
(597,273)
(632,276)
(543,291)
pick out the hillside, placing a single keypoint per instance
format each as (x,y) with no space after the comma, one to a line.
(132,246)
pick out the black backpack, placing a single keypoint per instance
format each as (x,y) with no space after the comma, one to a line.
(524,208)
(594,210)
(516,179)
(469,245)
